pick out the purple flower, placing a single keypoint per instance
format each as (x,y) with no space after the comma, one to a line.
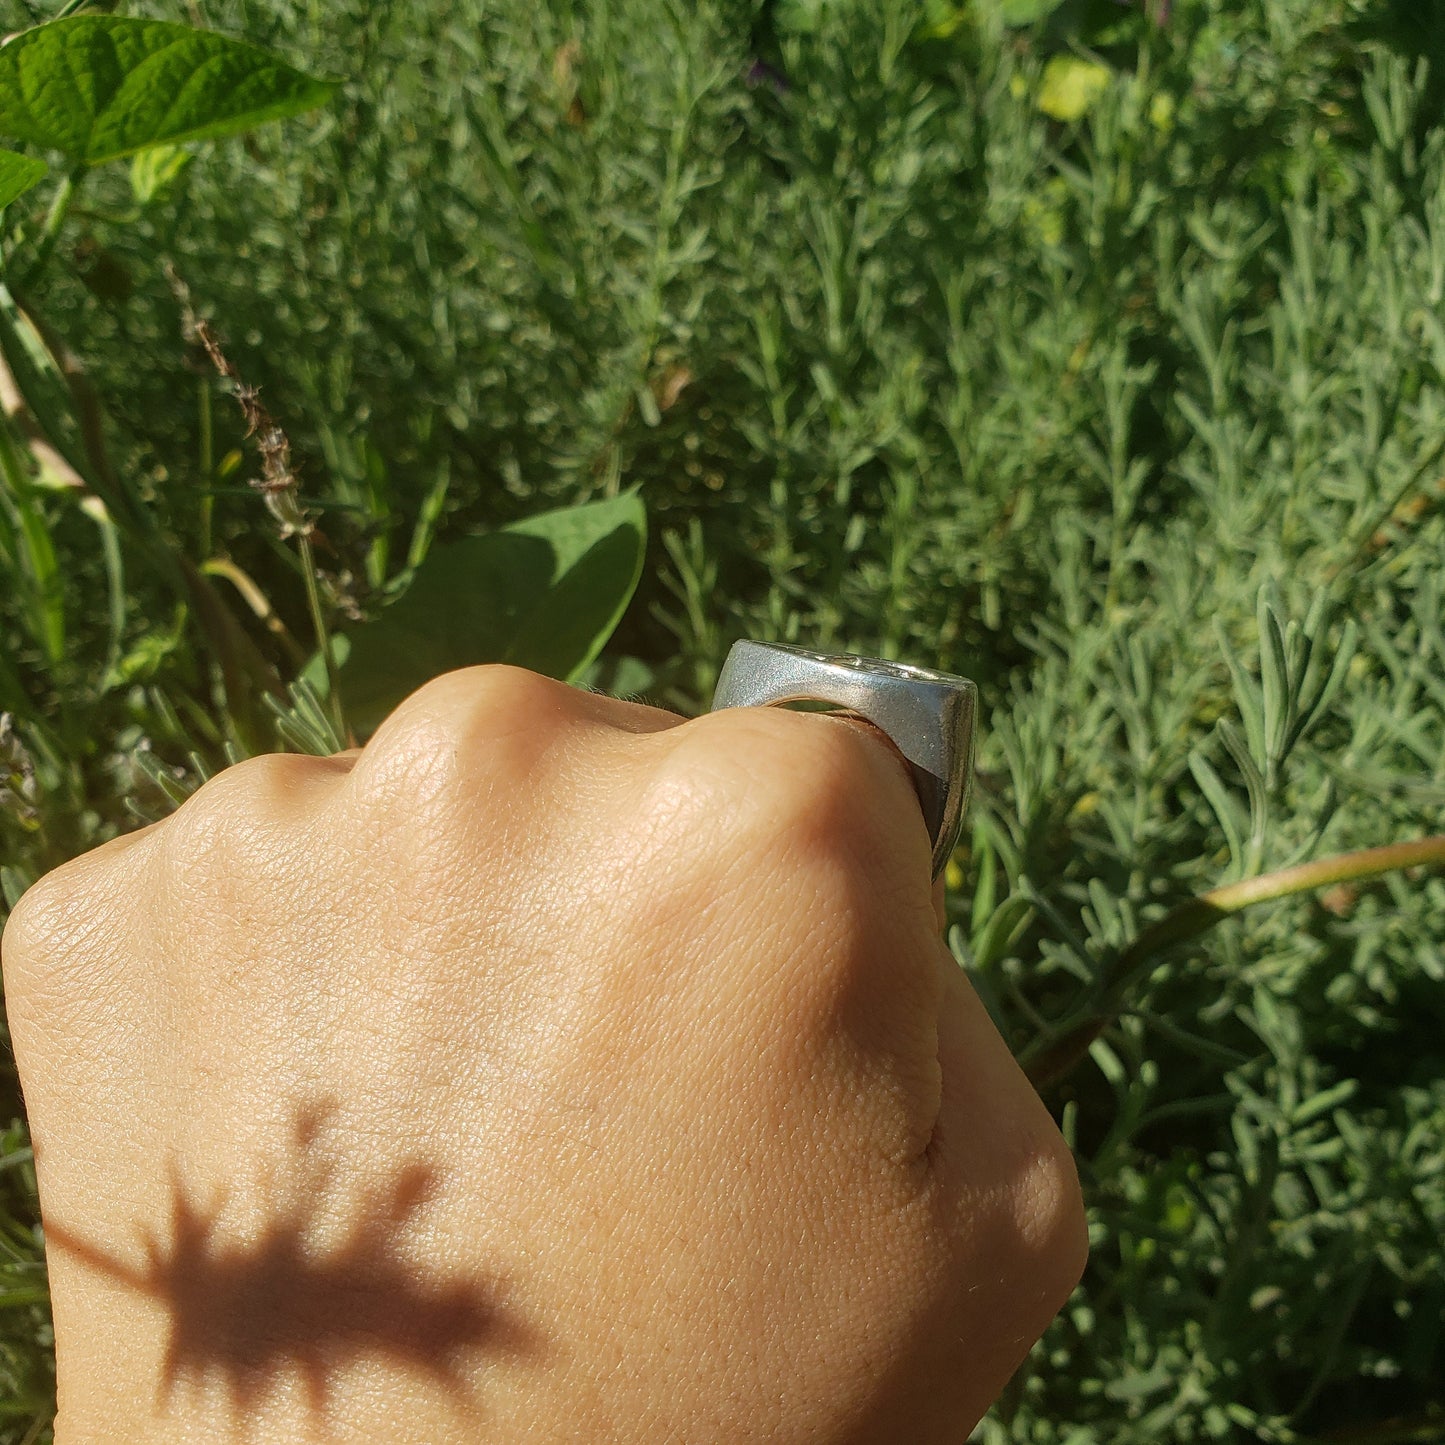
(761,73)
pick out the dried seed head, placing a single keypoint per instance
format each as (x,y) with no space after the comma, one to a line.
(278,483)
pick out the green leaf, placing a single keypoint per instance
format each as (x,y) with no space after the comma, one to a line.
(1274,675)
(13,697)
(1219,798)
(1246,693)
(1324,1101)
(145,658)
(39,564)
(625,677)
(13,883)
(544,593)
(1254,780)
(17,174)
(304,724)
(110,551)
(1108,1062)
(799,17)
(41,382)
(1025,12)
(155,170)
(1070,86)
(102,86)
(942,19)
(1000,932)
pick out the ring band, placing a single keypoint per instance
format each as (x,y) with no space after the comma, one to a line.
(928,716)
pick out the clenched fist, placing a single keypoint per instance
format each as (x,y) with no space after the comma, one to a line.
(551,1069)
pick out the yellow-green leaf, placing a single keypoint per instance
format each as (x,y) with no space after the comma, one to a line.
(1071,85)
(155,170)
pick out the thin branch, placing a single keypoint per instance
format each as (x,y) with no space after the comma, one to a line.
(54,222)
(1053,1059)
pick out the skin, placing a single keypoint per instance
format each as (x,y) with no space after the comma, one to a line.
(551,1069)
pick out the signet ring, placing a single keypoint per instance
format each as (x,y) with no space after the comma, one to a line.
(928,716)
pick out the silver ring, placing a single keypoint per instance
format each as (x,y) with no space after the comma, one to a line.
(929,716)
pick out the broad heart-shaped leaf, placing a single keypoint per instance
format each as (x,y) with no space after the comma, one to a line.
(544,593)
(17,174)
(102,86)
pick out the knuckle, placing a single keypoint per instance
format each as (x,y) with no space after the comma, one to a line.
(459,720)
(457,698)
(38,916)
(75,909)
(270,777)
(249,798)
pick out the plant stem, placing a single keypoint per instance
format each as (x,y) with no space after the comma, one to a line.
(1052,1059)
(208,466)
(1202,913)
(278,482)
(258,602)
(323,640)
(1368,532)
(1423,1429)
(68,9)
(54,220)
(37,1427)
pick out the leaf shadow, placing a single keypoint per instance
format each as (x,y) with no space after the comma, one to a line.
(249,1315)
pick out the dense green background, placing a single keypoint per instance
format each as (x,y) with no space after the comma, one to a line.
(904,364)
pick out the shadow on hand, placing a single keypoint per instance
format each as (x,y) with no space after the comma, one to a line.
(248,1315)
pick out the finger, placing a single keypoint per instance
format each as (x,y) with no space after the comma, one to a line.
(940,890)
(873,731)
(819,776)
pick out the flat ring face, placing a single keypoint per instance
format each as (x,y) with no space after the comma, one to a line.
(929,716)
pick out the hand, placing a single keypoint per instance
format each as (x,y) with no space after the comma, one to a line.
(550,1070)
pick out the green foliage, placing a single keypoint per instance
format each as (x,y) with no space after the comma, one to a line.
(1094,410)
(1070,86)
(17,174)
(156,170)
(98,87)
(1025,12)
(545,592)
